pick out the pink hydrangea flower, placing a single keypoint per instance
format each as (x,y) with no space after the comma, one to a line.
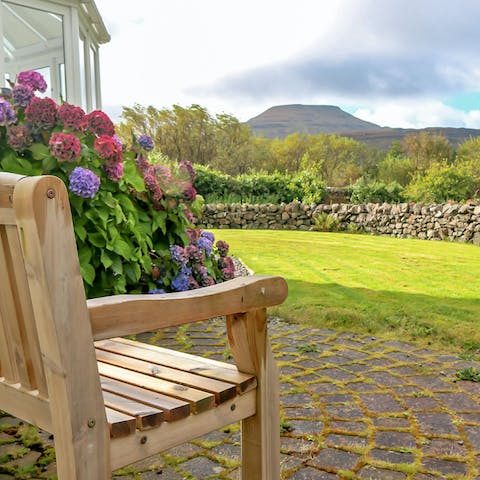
(71,116)
(41,114)
(108,148)
(99,123)
(65,147)
(33,79)
(114,170)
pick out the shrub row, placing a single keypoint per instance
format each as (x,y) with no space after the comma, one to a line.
(218,187)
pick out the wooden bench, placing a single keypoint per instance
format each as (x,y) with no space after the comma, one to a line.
(111,401)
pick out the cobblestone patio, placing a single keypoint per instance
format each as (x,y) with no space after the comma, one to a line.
(353,407)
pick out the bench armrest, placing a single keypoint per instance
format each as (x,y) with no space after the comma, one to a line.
(121,315)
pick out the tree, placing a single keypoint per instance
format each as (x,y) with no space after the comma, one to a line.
(426,148)
(440,183)
(337,160)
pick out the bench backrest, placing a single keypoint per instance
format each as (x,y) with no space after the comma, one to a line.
(45,334)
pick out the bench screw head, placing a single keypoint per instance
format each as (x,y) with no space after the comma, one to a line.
(51,193)
(233,407)
(143,440)
(91,422)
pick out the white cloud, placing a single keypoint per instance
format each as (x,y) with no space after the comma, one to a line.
(419,114)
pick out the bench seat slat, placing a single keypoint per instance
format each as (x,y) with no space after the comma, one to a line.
(199,400)
(181,361)
(146,416)
(173,408)
(120,424)
(223,391)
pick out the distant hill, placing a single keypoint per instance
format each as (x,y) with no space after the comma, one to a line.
(283,120)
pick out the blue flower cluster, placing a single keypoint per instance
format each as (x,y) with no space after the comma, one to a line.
(145,142)
(7,115)
(83,182)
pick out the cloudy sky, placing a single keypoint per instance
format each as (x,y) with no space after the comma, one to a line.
(398,63)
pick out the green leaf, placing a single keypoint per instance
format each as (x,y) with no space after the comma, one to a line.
(49,163)
(11,164)
(159,221)
(80,231)
(96,239)
(39,151)
(84,255)
(88,273)
(117,265)
(132,177)
(132,272)
(107,262)
(123,248)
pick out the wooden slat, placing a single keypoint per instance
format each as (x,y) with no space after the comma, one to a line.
(145,415)
(120,425)
(199,400)
(173,408)
(129,449)
(121,315)
(182,361)
(223,391)
(7,216)
(12,356)
(28,328)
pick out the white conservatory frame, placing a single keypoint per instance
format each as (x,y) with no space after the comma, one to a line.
(83,33)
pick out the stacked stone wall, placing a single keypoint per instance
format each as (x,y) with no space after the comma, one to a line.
(455,222)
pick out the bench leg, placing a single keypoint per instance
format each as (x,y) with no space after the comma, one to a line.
(247,335)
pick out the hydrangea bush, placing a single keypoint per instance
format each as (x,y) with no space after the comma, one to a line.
(133,218)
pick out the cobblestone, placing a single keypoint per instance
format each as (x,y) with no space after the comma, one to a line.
(355,407)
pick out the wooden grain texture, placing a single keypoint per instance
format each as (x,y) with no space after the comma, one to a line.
(129,449)
(191,363)
(250,347)
(25,316)
(199,400)
(59,305)
(12,353)
(146,416)
(28,406)
(173,408)
(222,390)
(120,424)
(122,315)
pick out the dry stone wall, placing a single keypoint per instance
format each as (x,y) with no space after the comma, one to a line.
(455,222)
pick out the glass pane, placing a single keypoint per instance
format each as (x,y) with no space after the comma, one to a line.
(32,40)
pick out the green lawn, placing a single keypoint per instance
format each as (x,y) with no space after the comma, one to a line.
(424,291)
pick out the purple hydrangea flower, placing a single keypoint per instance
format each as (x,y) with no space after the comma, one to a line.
(154,291)
(146,142)
(33,79)
(83,182)
(205,244)
(7,115)
(181,282)
(179,255)
(208,235)
(22,95)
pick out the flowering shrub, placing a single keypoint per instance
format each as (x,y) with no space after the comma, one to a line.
(133,219)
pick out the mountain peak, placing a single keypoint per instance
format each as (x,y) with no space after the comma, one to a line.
(282,120)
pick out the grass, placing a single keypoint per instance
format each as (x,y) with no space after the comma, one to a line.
(422,291)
